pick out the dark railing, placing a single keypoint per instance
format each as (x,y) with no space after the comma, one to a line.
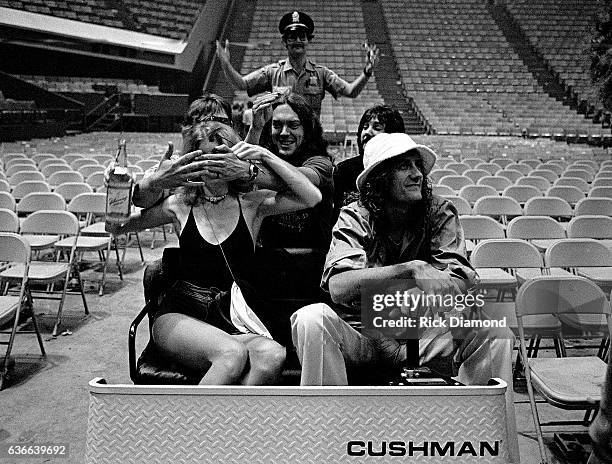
(108,106)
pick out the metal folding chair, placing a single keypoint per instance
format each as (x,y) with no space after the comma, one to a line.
(15,250)
(56,223)
(89,204)
(572,383)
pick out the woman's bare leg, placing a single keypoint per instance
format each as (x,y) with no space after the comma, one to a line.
(266,360)
(198,345)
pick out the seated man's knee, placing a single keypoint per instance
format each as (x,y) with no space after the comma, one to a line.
(501,335)
(268,358)
(232,357)
(314,316)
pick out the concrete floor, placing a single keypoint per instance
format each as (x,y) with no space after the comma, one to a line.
(45,401)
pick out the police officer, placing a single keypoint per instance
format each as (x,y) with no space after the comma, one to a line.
(297,72)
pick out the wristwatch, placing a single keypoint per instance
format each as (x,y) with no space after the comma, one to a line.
(253,172)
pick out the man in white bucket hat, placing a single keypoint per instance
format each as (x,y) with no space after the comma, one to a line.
(398,233)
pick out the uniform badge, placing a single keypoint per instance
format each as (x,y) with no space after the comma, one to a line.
(295,17)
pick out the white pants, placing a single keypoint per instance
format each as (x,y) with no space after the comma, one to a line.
(326,344)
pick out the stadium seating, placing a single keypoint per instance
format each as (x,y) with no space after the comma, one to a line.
(468,80)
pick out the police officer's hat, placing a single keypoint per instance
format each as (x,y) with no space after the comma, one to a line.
(296,20)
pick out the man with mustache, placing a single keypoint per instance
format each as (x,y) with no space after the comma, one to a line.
(398,234)
(297,73)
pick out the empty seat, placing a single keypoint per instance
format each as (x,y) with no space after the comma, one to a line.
(542,231)
(568,193)
(522,193)
(541,183)
(498,206)
(573,182)
(599,206)
(455,182)
(476,174)
(471,193)
(600,192)
(546,173)
(498,183)
(511,174)
(548,206)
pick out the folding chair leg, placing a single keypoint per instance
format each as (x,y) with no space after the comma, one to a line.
(82,288)
(139,248)
(38,336)
(589,415)
(7,354)
(58,320)
(105,261)
(536,347)
(531,347)
(603,348)
(118,259)
(534,409)
(30,302)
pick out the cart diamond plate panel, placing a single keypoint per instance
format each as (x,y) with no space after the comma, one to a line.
(293,428)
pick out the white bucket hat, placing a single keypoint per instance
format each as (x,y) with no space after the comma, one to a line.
(386,146)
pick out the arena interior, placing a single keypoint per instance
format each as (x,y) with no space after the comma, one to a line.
(500,90)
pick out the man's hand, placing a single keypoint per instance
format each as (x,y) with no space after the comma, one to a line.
(183,172)
(372,55)
(431,280)
(223,51)
(228,165)
(262,109)
(248,152)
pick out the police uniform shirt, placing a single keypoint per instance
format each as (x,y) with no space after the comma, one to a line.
(311,83)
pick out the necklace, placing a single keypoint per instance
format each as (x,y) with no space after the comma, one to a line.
(396,242)
(215,198)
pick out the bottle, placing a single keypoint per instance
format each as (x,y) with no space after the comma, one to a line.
(119,189)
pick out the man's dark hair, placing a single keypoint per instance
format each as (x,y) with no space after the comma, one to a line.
(313,142)
(375,194)
(203,108)
(388,115)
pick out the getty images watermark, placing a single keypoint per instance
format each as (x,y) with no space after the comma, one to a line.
(399,309)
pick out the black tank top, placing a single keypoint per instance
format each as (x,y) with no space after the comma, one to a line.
(202,263)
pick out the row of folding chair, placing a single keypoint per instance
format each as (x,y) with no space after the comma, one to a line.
(93,182)
(87,206)
(62,230)
(562,293)
(76,160)
(503,265)
(504,178)
(521,193)
(540,231)
(533,205)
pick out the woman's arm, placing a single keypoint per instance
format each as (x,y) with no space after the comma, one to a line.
(301,193)
(145,219)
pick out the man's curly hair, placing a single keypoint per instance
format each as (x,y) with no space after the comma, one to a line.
(375,194)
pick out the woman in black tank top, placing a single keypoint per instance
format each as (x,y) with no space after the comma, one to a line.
(218,231)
